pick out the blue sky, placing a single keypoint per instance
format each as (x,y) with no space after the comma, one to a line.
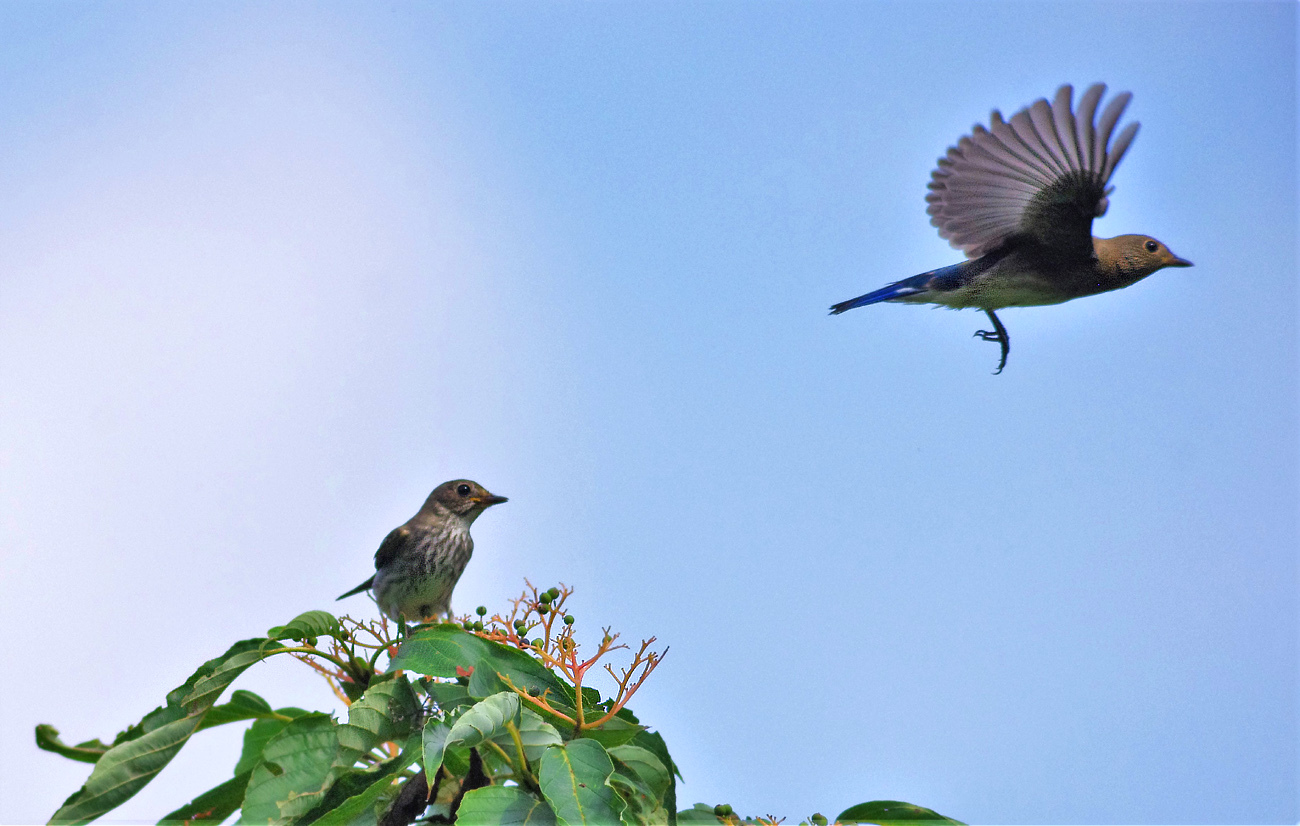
(270,272)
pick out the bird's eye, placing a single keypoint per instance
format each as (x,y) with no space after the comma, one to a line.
(1152,246)
(463,490)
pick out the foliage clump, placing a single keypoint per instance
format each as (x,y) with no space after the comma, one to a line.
(485,720)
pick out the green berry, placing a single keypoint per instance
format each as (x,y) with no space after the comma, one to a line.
(554,593)
(539,642)
(568,619)
(469,626)
(478,626)
(545,597)
(719,811)
(543,609)
(481,611)
(819,819)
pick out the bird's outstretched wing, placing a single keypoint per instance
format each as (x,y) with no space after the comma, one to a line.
(391,546)
(1042,175)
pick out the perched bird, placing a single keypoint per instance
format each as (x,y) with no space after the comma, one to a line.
(418,564)
(1019,198)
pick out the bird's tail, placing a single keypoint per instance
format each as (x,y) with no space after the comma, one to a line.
(899,289)
(365,586)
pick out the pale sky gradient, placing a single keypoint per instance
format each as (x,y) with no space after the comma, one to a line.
(270,272)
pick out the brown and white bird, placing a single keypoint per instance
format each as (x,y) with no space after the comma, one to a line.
(418,564)
(1019,198)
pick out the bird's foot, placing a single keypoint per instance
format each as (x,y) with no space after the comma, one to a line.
(998,334)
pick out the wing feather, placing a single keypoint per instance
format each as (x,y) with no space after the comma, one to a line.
(1042,173)
(392,545)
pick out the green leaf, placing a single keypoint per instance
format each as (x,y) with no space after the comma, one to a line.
(307,625)
(257,735)
(357,810)
(614,732)
(352,799)
(387,710)
(214,805)
(440,650)
(484,720)
(434,745)
(644,766)
(639,806)
(243,705)
(574,778)
(653,742)
(700,814)
(886,812)
(503,806)
(301,764)
(534,732)
(448,696)
(47,738)
(294,773)
(143,752)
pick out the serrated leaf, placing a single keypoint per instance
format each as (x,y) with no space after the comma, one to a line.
(306,625)
(887,812)
(126,767)
(214,805)
(296,768)
(482,721)
(574,778)
(439,651)
(503,806)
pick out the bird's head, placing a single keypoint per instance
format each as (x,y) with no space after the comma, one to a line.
(1136,256)
(464,498)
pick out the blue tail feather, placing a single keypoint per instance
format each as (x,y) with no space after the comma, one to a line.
(940,280)
(908,286)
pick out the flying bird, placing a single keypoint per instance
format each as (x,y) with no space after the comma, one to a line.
(418,564)
(1018,199)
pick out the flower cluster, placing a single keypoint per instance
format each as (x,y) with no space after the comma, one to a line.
(539,624)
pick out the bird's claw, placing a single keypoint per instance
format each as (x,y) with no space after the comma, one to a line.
(998,334)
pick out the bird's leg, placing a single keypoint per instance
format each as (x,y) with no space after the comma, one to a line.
(999,335)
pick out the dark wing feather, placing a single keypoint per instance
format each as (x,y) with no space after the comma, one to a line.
(1042,175)
(392,545)
(365,586)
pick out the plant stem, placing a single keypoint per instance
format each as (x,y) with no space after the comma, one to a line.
(523,759)
(306,650)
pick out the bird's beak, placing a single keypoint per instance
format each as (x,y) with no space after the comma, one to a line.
(491,499)
(1179,262)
